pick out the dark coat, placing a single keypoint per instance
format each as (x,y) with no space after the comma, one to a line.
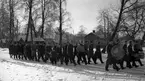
(91,49)
(98,51)
(125,48)
(130,50)
(70,49)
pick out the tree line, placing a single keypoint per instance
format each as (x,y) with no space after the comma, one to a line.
(48,17)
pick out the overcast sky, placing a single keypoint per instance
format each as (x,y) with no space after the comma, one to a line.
(84,12)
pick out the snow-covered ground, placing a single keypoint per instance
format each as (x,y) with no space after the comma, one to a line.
(21,70)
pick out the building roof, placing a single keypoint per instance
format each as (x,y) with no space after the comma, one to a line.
(91,37)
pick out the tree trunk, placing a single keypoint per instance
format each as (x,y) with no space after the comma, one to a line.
(60,25)
(11,34)
(43,17)
(30,21)
(119,19)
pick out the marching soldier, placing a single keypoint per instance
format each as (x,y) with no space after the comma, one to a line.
(91,53)
(11,50)
(98,53)
(53,56)
(48,50)
(33,50)
(81,54)
(71,53)
(126,57)
(41,52)
(65,54)
(131,54)
(86,46)
(137,49)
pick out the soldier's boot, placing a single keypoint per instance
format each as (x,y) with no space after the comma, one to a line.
(115,67)
(89,60)
(121,65)
(140,62)
(107,65)
(94,59)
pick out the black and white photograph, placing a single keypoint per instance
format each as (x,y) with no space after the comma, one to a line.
(72,40)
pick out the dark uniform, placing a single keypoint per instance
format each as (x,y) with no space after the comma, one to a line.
(11,50)
(15,50)
(70,52)
(98,53)
(86,46)
(131,54)
(20,51)
(53,57)
(65,54)
(48,50)
(137,48)
(33,50)
(41,52)
(91,53)
(126,57)
(81,54)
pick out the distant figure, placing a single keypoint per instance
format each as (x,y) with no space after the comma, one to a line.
(33,50)
(41,52)
(53,57)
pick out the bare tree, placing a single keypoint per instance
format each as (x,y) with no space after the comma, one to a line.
(124,8)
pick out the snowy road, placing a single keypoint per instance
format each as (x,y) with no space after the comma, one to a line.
(20,70)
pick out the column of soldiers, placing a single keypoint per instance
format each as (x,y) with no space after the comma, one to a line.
(75,53)
(45,52)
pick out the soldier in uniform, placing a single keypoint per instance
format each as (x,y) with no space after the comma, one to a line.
(48,50)
(81,54)
(126,57)
(33,50)
(15,50)
(86,46)
(28,48)
(20,50)
(53,56)
(41,52)
(131,54)
(110,58)
(137,48)
(71,53)
(91,53)
(98,54)
(65,54)
(11,50)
